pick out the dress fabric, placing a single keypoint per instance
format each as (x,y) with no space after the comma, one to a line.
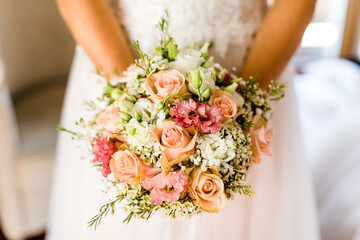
(283,207)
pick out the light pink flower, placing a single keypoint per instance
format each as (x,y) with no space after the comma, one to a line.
(184,113)
(166,187)
(165,83)
(103,150)
(107,120)
(262,140)
(210,117)
(129,74)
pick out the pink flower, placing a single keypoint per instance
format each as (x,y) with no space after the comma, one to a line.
(130,73)
(262,140)
(103,150)
(107,120)
(188,113)
(211,118)
(166,187)
(184,114)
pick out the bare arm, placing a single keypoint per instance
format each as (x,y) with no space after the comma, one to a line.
(95,28)
(277,39)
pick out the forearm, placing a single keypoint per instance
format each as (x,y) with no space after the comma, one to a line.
(278,39)
(96,29)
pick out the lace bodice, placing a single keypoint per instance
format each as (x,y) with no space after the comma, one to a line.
(229,24)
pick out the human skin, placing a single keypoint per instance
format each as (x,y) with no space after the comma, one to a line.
(277,39)
(97,30)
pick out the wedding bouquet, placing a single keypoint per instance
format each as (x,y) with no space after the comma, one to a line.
(178,133)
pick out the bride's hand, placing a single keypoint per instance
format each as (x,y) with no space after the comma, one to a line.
(277,39)
(96,29)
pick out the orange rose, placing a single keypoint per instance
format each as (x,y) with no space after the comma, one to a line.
(207,189)
(164,83)
(125,166)
(224,101)
(175,143)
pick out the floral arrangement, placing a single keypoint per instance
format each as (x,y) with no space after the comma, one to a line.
(178,133)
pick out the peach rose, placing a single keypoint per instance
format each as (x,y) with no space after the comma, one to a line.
(207,189)
(107,120)
(224,101)
(127,167)
(175,143)
(262,139)
(164,83)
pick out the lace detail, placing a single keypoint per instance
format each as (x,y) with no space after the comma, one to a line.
(229,24)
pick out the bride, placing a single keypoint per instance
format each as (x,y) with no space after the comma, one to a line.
(244,33)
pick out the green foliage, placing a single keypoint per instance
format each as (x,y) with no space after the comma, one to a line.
(104,211)
(168,47)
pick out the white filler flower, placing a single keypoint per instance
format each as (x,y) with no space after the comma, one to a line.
(145,108)
(216,150)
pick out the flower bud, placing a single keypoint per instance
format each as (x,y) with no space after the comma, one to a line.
(137,116)
(195,78)
(232,87)
(160,106)
(130,97)
(116,93)
(108,90)
(208,62)
(213,75)
(205,50)
(126,117)
(124,105)
(159,51)
(205,94)
(172,49)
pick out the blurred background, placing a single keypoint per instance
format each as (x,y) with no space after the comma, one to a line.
(36,51)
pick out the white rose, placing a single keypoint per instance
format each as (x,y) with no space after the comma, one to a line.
(216,149)
(136,132)
(145,108)
(187,60)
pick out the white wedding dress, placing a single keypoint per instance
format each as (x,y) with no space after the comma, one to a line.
(283,207)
